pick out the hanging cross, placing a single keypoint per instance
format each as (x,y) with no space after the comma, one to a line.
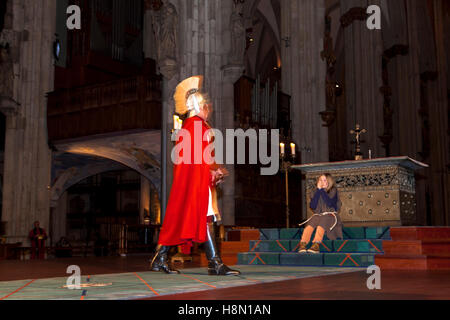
(357,132)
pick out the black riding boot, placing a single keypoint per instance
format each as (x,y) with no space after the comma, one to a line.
(159,262)
(215,264)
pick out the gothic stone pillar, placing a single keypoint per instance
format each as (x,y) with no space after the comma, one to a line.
(363,74)
(303,75)
(27,156)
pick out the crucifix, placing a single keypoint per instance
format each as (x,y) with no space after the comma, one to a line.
(357,132)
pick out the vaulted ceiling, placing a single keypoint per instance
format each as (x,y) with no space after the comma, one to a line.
(263,25)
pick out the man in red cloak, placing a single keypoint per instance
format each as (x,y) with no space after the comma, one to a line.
(192,207)
(37,237)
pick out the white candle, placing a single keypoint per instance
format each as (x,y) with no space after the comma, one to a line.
(293,149)
(282,148)
(180,124)
(370,154)
(175,121)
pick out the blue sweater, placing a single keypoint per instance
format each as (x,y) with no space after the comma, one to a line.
(330,202)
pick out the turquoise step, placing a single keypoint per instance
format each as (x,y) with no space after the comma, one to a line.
(368,245)
(305,259)
(298,259)
(269,258)
(289,234)
(348,233)
(344,246)
(349,259)
(270,245)
(378,233)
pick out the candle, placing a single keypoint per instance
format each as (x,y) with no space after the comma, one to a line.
(370,154)
(180,123)
(293,149)
(175,121)
(282,148)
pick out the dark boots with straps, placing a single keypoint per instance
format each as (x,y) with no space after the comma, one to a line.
(215,264)
(159,262)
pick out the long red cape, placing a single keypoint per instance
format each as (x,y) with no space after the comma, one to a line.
(186,214)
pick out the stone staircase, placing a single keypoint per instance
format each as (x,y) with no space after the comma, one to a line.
(279,247)
(395,248)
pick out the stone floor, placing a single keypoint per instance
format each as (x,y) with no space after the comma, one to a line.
(128,278)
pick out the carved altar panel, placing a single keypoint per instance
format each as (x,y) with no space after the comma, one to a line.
(379,192)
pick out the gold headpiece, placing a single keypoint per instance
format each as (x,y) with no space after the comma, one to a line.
(185,89)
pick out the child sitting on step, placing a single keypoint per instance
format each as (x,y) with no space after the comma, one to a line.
(326,204)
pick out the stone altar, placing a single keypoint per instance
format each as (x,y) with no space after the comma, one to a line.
(376,192)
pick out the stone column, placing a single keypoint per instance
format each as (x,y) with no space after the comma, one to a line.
(230,75)
(232,69)
(404,75)
(201,51)
(303,75)
(27,156)
(59,218)
(363,75)
(439,137)
(286,63)
(144,207)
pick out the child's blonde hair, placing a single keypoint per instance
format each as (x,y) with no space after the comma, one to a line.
(330,180)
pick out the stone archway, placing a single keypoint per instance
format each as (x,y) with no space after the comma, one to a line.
(79,159)
(140,151)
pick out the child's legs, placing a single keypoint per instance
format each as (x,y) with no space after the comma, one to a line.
(319,235)
(307,234)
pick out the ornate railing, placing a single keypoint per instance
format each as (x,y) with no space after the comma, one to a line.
(121,105)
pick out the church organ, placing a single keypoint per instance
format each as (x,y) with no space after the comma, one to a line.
(263,106)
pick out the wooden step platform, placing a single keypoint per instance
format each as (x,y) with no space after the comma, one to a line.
(243,235)
(416,248)
(227,258)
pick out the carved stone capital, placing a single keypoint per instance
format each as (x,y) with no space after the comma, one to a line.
(356,13)
(168,68)
(232,72)
(328,117)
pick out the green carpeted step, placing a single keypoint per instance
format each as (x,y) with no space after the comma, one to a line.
(301,259)
(270,246)
(269,234)
(348,259)
(306,259)
(325,246)
(343,246)
(291,234)
(354,233)
(348,233)
(378,233)
(362,246)
(263,258)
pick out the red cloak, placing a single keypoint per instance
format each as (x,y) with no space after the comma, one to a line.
(186,214)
